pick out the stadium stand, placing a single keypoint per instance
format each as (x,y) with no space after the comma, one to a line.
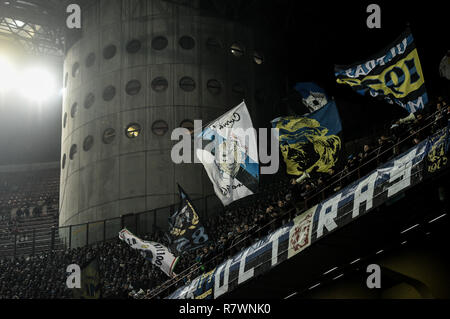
(28,211)
(38,270)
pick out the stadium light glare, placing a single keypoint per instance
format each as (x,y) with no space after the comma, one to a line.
(37,84)
(7,75)
(19,23)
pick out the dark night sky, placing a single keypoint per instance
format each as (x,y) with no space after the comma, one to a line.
(323,34)
(313,36)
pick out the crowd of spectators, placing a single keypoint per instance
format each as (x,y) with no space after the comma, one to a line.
(402,135)
(126,274)
(28,194)
(235,228)
(44,276)
(25,196)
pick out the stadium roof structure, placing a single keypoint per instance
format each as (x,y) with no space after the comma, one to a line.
(37,26)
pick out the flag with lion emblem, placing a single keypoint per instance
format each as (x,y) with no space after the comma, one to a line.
(310,143)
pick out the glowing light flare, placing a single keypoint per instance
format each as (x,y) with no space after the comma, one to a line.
(8,76)
(37,84)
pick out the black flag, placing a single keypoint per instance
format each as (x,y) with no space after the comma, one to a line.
(185,230)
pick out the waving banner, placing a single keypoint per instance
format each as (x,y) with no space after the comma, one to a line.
(395,75)
(156,253)
(314,97)
(249,263)
(231,159)
(437,158)
(343,207)
(90,280)
(301,231)
(186,232)
(310,142)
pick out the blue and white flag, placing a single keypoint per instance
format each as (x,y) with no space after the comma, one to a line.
(154,252)
(314,97)
(231,157)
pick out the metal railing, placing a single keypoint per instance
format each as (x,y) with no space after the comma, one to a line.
(256,232)
(51,238)
(48,239)
(141,223)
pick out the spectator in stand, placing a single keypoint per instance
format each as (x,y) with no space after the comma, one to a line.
(444,71)
(26,211)
(384,152)
(19,213)
(127,275)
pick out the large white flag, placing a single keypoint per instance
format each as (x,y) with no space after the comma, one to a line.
(231,157)
(158,254)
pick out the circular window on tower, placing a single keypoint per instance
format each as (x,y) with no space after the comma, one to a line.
(108,93)
(73,151)
(108,135)
(187,84)
(73,110)
(160,128)
(237,50)
(65,120)
(133,87)
(63,161)
(187,42)
(89,100)
(75,69)
(109,52)
(258,57)
(213,45)
(214,87)
(90,60)
(159,84)
(88,142)
(133,130)
(188,124)
(134,46)
(159,43)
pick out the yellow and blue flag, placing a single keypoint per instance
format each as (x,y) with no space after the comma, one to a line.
(90,282)
(394,75)
(311,142)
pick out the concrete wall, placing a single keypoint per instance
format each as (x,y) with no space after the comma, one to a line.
(134,175)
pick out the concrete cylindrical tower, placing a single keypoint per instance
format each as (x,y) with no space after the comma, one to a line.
(139,70)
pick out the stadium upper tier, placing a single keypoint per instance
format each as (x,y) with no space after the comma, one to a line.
(236,228)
